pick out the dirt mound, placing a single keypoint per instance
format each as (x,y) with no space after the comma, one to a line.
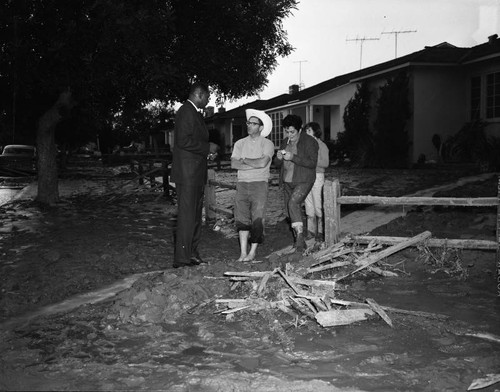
(162,298)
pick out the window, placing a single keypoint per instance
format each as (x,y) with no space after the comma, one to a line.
(277,132)
(485,97)
(493,95)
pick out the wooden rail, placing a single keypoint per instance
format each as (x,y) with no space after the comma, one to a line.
(333,202)
(211,207)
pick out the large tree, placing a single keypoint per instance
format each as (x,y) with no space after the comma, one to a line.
(110,56)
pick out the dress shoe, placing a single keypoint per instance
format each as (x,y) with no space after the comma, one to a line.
(197,260)
(190,263)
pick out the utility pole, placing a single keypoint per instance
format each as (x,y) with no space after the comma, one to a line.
(362,41)
(301,85)
(396,38)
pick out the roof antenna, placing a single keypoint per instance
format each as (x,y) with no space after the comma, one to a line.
(301,84)
(396,38)
(362,41)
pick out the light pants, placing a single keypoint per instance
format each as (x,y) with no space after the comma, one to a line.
(314,201)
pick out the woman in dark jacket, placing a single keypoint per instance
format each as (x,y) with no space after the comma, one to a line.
(297,157)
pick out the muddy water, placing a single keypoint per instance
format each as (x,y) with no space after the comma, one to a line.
(89,348)
(7,194)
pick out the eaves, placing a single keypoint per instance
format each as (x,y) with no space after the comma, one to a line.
(398,67)
(288,105)
(484,58)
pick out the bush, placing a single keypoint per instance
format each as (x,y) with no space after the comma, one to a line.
(471,145)
(356,142)
(393,111)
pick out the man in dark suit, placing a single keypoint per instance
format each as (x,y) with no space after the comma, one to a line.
(189,173)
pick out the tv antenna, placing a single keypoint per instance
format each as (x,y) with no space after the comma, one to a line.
(301,85)
(361,41)
(396,33)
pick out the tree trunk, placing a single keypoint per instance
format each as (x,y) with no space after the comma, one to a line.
(48,190)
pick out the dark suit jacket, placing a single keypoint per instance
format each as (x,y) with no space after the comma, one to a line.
(191,147)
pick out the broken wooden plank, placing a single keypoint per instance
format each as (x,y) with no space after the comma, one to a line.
(480,383)
(263,283)
(430,242)
(377,309)
(329,266)
(391,309)
(332,318)
(306,282)
(316,301)
(301,308)
(374,258)
(289,282)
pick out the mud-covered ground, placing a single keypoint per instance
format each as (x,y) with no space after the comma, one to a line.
(156,328)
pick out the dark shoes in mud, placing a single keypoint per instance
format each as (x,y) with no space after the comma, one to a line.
(193,262)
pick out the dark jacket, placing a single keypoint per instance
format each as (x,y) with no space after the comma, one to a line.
(191,147)
(305,160)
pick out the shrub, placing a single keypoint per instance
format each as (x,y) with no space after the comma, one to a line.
(471,145)
(393,111)
(356,142)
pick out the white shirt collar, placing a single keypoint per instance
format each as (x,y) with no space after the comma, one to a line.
(192,103)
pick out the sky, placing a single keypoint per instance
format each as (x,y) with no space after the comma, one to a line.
(335,37)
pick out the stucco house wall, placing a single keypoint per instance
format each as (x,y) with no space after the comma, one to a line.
(439,107)
(336,99)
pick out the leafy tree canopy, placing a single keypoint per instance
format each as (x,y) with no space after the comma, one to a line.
(115,56)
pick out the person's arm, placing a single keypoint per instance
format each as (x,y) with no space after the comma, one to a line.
(307,156)
(278,160)
(250,163)
(237,159)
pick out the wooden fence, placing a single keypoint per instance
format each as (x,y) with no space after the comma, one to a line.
(147,171)
(333,201)
(211,207)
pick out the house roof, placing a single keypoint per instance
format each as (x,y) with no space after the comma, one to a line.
(443,54)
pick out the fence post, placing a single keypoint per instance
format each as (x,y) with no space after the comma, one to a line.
(498,241)
(331,192)
(141,172)
(209,196)
(152,174)
(166,183)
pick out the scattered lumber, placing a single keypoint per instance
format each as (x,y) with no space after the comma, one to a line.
(332,318)
(316,299)
(391,309)
(377,309)
(306,282)
(480,383)
(372,259)
(430,242)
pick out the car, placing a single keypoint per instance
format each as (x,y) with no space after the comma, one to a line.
(18,160)
(19,150)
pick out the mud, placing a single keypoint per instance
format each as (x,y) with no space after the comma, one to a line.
(165,331)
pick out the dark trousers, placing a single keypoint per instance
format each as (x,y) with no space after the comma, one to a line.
(294,195)
(188,234)
(250,208)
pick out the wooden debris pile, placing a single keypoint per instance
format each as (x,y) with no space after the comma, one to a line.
(317,299)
